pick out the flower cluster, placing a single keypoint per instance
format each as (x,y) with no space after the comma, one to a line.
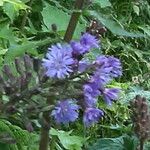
(63,60)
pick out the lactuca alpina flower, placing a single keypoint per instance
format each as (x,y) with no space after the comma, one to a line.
(58,62)
(91,92)
(110,94)
(92,116)
(116,66)
(65,111)
(87,42)
(109,65)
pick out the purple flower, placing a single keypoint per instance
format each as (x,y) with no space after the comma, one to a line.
(91,116)
(83,65)
(116,66)
(110,94)
(100,77)
(91,92)
(110,65)
(65,111)
(87,42)
(59,61)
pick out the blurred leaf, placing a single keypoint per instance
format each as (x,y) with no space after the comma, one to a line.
(53,15)
(121,143)
(136,9)
(145,29)
(1,2)
(113,26)
(103,3)
(17,3)
(69,142)
(10,11)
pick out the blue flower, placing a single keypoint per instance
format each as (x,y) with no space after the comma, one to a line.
(87,41)
(110,94)
(59,61)
(65,111)
(116,66)
(109,65)
(83,65)
(91,116)
(91,92)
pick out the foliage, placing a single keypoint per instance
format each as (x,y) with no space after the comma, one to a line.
(31,26)
(67,141)
(15,138)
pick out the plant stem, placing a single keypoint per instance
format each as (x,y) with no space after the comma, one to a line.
(141,144)
(73,21)
(24,20)
(44,140)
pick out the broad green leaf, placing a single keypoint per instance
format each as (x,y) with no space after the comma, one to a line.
(103,3)
(114,27)
(53,15)
(69,142)
(121,143)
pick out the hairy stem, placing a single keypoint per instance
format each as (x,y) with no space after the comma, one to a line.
(73,21)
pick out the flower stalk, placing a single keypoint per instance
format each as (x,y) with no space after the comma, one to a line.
(74,20)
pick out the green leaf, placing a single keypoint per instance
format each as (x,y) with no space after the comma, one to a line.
(121,143)
(114,27)
(103,3)
(53,15)
(17,3)
(146,29)
(10,11)
(136,9)
(7,33)
(69,142)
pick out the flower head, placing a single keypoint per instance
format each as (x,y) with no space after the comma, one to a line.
(91,116)
(59,61)
(110,94)
(110,65)
(65,111)
(87,41)
(116,66)
(91,92)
